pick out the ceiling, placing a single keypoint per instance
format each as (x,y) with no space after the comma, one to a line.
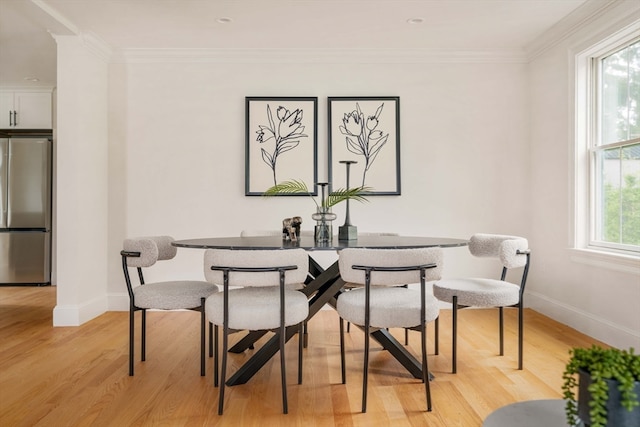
(27,48)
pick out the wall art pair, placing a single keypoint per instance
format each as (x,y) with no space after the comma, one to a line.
(282,142)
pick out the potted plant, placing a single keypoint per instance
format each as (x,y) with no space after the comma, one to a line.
(334,197)
(608,382)
(323,214)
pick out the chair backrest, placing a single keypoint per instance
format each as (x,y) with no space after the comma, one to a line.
(151,249)
(509,249)
(389,258)
(257,258)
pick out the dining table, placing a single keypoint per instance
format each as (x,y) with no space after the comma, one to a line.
(322,287)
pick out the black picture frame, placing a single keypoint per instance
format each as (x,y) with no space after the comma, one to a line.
(281,142)
(365,130)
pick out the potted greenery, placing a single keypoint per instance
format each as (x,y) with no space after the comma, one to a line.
(334,197)
(323,214)
(608,381)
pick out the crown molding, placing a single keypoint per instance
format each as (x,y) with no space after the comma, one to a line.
(55,14)
(91,42)
(586,14)
(323,56)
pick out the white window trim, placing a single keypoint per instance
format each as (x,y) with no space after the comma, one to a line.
(581,164)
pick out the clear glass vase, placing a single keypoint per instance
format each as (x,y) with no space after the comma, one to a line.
(323,235)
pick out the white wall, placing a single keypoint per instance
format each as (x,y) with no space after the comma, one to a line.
(464,148)
(81,182)
(485,148)
(589,292)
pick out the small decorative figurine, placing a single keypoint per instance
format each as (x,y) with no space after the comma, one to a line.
(291,228)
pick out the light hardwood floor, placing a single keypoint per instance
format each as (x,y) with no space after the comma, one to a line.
(77,376)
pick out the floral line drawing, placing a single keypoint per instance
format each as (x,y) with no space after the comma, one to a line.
(362,137)
(286,133)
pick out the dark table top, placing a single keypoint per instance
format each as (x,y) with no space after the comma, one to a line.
(307,242)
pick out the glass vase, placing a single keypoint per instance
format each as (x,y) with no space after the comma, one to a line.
(323,235)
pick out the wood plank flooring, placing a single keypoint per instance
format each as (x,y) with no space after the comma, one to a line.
(77,376)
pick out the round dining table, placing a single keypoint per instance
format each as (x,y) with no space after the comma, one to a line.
(323,287)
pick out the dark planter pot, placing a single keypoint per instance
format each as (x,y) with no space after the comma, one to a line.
(617,415)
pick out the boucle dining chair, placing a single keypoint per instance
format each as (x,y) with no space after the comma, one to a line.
(384,301)
(144,252)
(349,286)
(264,299)
(513,252)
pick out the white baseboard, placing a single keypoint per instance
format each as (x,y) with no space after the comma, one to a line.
(596,327)
(76,315)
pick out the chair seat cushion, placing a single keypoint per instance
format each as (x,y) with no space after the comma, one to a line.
(172,295)
(257,308)
(385,303)
(474,292)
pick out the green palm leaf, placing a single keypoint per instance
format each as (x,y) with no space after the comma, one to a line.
(299,187)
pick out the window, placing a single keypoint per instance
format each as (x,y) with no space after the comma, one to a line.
(607,209)
(615,150)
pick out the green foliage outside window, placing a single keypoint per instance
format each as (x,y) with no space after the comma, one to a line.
(618,151)
(622,212)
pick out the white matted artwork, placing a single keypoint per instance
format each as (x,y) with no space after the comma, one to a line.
(281,142)
(365,130)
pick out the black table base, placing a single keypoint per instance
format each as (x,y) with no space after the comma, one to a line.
(322,289)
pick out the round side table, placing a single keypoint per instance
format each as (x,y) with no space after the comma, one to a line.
(530,413)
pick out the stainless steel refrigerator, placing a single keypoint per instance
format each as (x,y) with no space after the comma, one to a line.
(25,205)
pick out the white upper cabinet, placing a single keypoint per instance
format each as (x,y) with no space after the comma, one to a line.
(26,110)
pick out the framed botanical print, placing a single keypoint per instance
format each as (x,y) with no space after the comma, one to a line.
(281,142)
(365,131)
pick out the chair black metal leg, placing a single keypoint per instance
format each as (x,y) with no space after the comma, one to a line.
(306,335)
(283,372)
(131,338)
(425,367)
(215,357)
(454,316)
(223,373)
(406,331)
(210,339)
(365,374)
(501,327)
(143,347)
(520,336)
(437,337)
(342,361)
(348,327)
(300,347)
(203,344)
(367,331)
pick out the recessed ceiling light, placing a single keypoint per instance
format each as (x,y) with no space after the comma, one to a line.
(32,79)
(415,20)
(224,20)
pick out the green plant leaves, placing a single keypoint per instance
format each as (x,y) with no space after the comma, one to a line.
(601,364)
(299,187)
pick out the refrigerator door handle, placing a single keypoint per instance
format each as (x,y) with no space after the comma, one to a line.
(7,200)
(4,186)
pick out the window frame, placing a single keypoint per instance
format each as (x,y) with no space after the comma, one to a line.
(586,137)
(596,147)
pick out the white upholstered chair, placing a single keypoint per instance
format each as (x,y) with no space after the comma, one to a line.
(143,252)
(264,300)
(355,285)
(513,252)
(383,301)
